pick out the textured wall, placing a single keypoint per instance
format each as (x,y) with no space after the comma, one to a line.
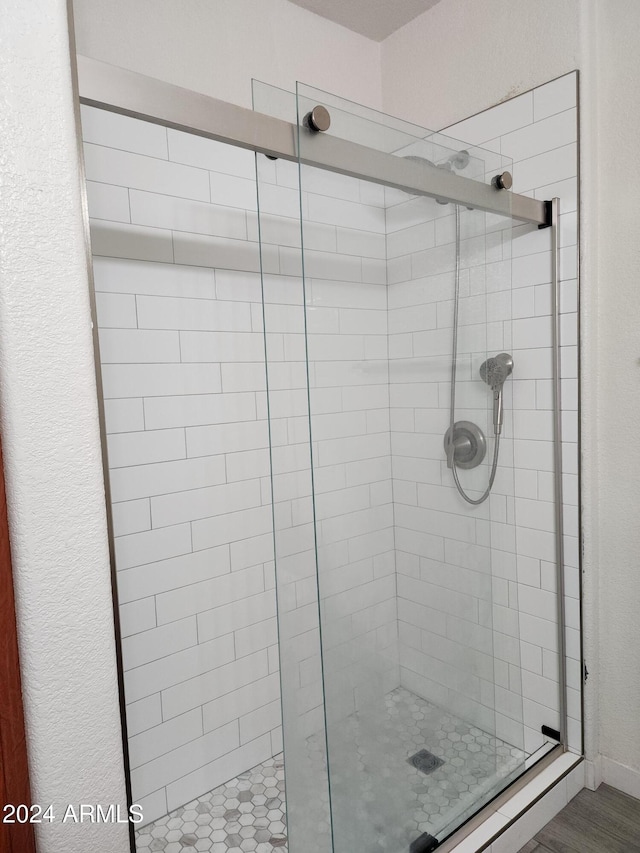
(618,401)
(51,440)
(217,47)
(459,58)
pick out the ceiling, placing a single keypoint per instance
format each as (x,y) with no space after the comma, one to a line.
(375,19)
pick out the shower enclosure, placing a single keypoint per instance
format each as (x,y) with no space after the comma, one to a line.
(278,381)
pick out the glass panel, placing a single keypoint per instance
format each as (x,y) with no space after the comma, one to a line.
(398,611)
(308,809)
(423,713)
(178,298)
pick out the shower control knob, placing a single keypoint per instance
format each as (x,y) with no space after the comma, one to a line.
(465,445)
(318,119)
(503,181)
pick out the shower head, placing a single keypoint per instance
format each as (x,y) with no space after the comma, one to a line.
(460,159)
(495,370)
(417,159)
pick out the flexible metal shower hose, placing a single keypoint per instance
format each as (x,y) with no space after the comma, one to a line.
(452,411)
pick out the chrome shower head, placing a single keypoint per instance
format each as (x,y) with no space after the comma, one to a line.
(495,370)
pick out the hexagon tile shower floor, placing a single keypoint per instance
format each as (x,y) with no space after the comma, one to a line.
(244,815)
(247,814)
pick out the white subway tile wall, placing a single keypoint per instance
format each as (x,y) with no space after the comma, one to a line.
(351,440)
(453,560)
(343,475)
(178,297)
(415,589)
(539,130)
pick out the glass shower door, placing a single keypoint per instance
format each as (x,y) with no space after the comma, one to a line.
(418,705)
(417,720)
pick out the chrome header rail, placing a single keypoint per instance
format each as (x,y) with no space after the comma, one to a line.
(129,93)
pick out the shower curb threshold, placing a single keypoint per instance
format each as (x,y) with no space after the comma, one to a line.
(512,819)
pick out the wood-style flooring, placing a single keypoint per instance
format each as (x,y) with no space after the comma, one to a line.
(602,821)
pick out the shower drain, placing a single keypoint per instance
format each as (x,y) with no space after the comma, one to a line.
(425,761)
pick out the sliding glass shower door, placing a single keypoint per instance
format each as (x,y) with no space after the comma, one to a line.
(399,636)
(400,454)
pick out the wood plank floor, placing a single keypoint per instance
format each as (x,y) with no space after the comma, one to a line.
(602,821)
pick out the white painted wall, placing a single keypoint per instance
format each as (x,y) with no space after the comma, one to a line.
(462,58)
(615,383)
(459,58)
(217,46)
(51,439)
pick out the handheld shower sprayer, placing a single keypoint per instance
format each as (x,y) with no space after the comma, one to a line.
(495,371)
(464,442)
